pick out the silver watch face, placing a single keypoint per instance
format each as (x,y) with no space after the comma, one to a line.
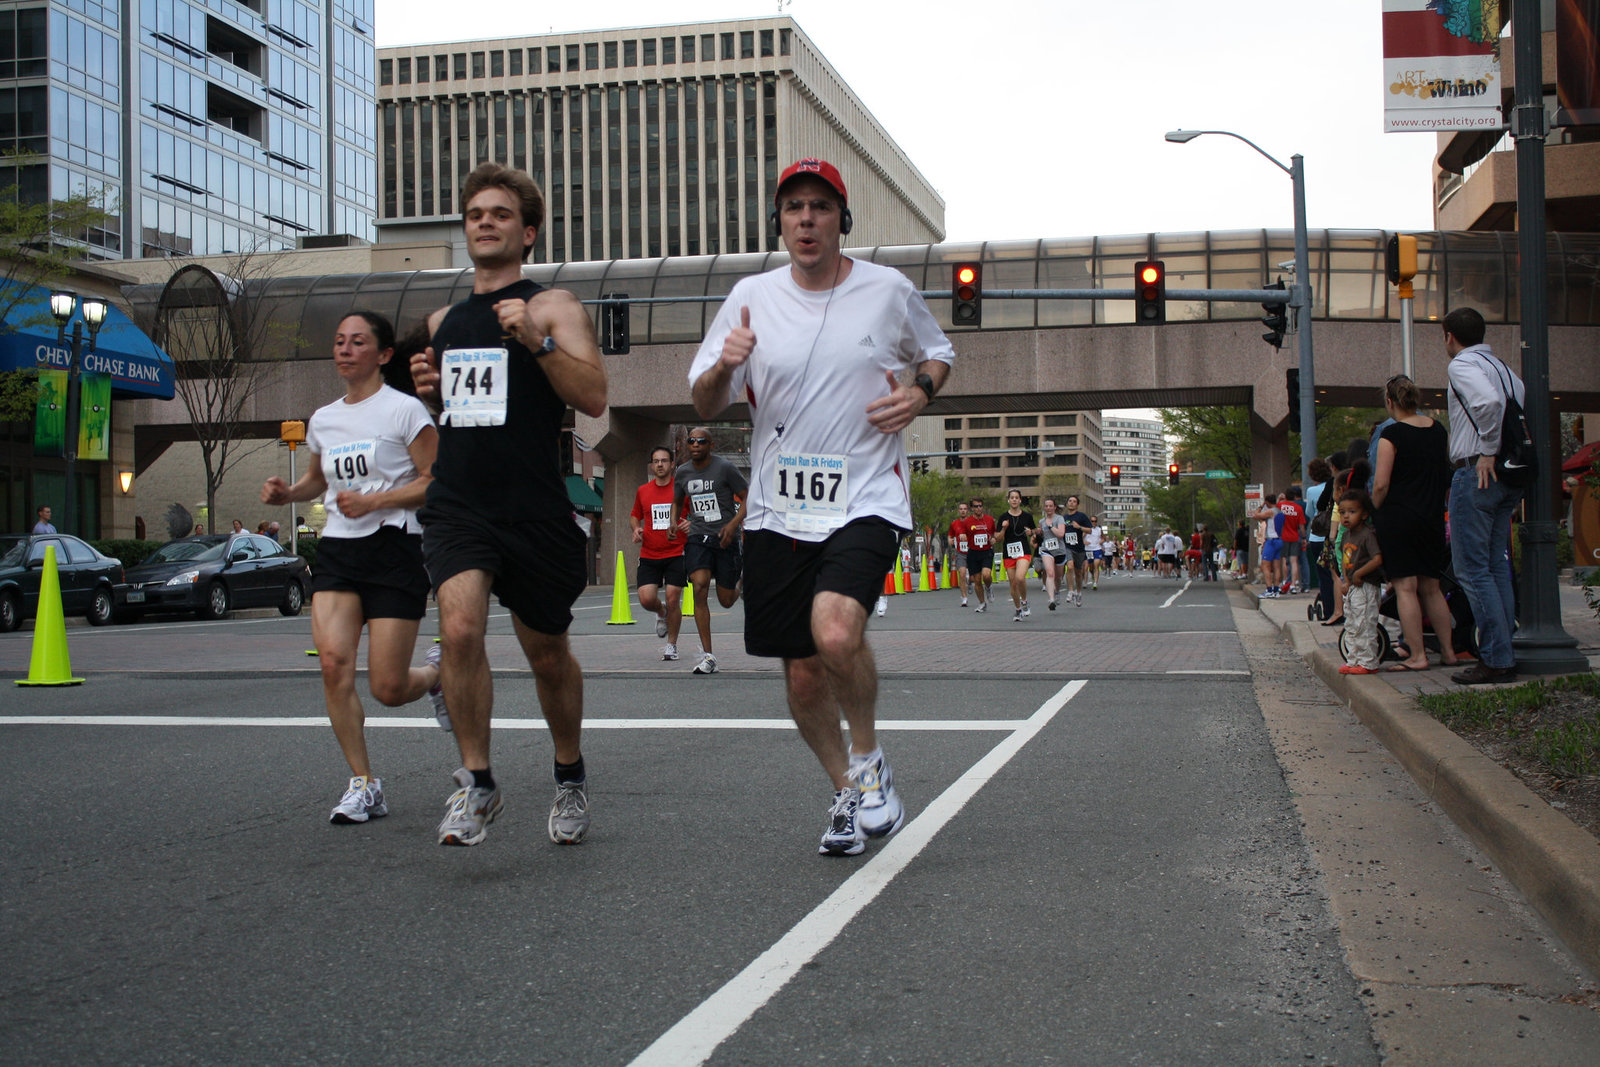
(547,346)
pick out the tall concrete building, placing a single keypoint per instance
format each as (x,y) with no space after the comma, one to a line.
(660,141)
(1139,447)
(208,127)
(1030,451)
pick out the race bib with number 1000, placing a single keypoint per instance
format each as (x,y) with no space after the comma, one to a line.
(813,492)
(660,516)
(472,386)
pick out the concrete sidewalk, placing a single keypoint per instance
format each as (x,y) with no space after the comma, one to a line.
(1554,863)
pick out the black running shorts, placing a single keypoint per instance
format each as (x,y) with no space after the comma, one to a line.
(783,576)
(705,553)
(669,571)
(384,568)
(538,566)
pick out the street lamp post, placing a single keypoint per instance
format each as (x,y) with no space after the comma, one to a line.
(62,305)
(1302,290)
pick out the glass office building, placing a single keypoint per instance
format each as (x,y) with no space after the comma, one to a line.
(207,126)
(648,142)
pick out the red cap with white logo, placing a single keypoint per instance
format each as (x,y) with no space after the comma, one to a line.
(818,168)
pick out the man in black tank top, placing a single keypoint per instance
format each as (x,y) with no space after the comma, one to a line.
(502,368)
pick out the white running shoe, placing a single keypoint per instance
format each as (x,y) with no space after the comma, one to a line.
(883,605)
(981,608)
(879,812)
(569,815)
(963,601)
(707,664)
(844,836)
(440,713)
(1025,611)
(669,651)
(363,800)
(1077,598)
(661,625)
(471,810)
(1016,616)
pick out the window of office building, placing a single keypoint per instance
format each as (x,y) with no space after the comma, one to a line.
(691,166)
(674,185)
(24,42)
(652,180)
(708,46)
(688,49)
(1022,420)
(556,190)
(987,422)
(572,57)
(727,46)
(459,59)
(649,51)
(422,68)
(952,424)
(591,56)
(783,42)
(754,217)
(984,463)
(636,184)
(441,68)
(425,157)
(594,186)
(403,71)
(386,72)
(669,49)
(611,55)
(614,171)
(407,153)
(478,69)
(1067,459)
(766,43)
(630,53)
(519,133)
(446,166)
(552,59)
(747,44)
(1061,420)
(730,171)
(984,442)
(497,64)
(514,59)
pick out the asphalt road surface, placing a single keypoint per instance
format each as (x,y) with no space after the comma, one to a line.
(1101,861)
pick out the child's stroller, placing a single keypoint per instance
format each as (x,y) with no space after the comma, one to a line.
(1463,629)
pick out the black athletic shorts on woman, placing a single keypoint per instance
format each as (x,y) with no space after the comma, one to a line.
(783,576)
(384,568)
(538,565)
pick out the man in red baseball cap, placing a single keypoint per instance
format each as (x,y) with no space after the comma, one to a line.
(834,357)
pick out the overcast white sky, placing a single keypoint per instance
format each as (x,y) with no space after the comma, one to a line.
(1045,119)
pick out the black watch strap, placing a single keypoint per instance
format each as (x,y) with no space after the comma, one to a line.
(925,383)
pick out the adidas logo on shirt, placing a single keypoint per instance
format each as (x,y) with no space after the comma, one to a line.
(867,342)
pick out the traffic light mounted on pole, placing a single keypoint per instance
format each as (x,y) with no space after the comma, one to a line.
(1172,474)
(1150,292)
(614,324)
(1400,259)
(1275,320)
(966,294)
(1116,475)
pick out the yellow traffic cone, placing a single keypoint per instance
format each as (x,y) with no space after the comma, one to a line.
(621,611)
(687,607)
(944,577)
(900,585)
(51,665)
(927,581)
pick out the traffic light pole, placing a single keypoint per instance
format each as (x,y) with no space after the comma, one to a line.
(1302,301)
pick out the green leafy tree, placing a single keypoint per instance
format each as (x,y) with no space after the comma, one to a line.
(934,496)
(38,241)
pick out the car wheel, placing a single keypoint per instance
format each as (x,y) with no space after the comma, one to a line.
(100,607)
(294,598)
(10,614)
(216,605)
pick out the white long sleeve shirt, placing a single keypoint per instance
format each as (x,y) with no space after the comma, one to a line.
(1476,401)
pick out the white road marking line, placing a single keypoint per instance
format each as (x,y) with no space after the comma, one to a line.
(696,1036)
(1178,594)
(427,723)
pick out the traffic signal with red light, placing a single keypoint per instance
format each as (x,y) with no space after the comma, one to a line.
(1172,474)
(1116,474)
(966,300)
(1149,292)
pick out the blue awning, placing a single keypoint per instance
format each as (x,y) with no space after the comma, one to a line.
(137,367)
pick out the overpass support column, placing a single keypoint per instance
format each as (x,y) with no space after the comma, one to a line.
(625,440)
(1270,464)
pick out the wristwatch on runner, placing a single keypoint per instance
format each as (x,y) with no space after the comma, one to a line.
(547,346)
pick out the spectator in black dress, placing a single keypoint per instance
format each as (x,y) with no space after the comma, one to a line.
(1409,490)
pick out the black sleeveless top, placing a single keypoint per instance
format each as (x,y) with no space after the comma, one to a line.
(510,472)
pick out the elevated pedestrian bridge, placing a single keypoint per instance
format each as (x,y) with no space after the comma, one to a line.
(1030,354)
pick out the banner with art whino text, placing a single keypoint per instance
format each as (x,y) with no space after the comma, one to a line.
(1441,65)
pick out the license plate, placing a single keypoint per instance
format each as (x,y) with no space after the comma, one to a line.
(135,596)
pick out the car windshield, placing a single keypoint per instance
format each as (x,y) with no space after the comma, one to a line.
(12,550)
(187,552)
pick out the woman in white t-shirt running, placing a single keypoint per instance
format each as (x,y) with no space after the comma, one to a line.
(372,452)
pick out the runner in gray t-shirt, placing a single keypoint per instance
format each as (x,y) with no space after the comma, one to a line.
(708,502)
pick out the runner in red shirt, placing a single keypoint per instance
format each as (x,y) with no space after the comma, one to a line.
(956,545)
(660,552)
(980,551)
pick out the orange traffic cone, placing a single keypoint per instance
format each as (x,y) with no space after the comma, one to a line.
(51,665)
(888,584)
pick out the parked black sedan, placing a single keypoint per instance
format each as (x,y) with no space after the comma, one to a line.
(87,578)
(213,574)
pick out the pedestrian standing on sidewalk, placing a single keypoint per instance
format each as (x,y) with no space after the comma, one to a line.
(1362,573)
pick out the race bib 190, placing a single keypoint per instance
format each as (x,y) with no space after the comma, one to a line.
(352,466)
(472,386)
(813,491)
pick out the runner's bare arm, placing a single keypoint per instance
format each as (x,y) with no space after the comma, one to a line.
(574,368)
(710,390)
(423,449)
(309,486)
(893,413)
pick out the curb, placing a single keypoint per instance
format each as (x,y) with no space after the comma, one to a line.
(1549,858)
